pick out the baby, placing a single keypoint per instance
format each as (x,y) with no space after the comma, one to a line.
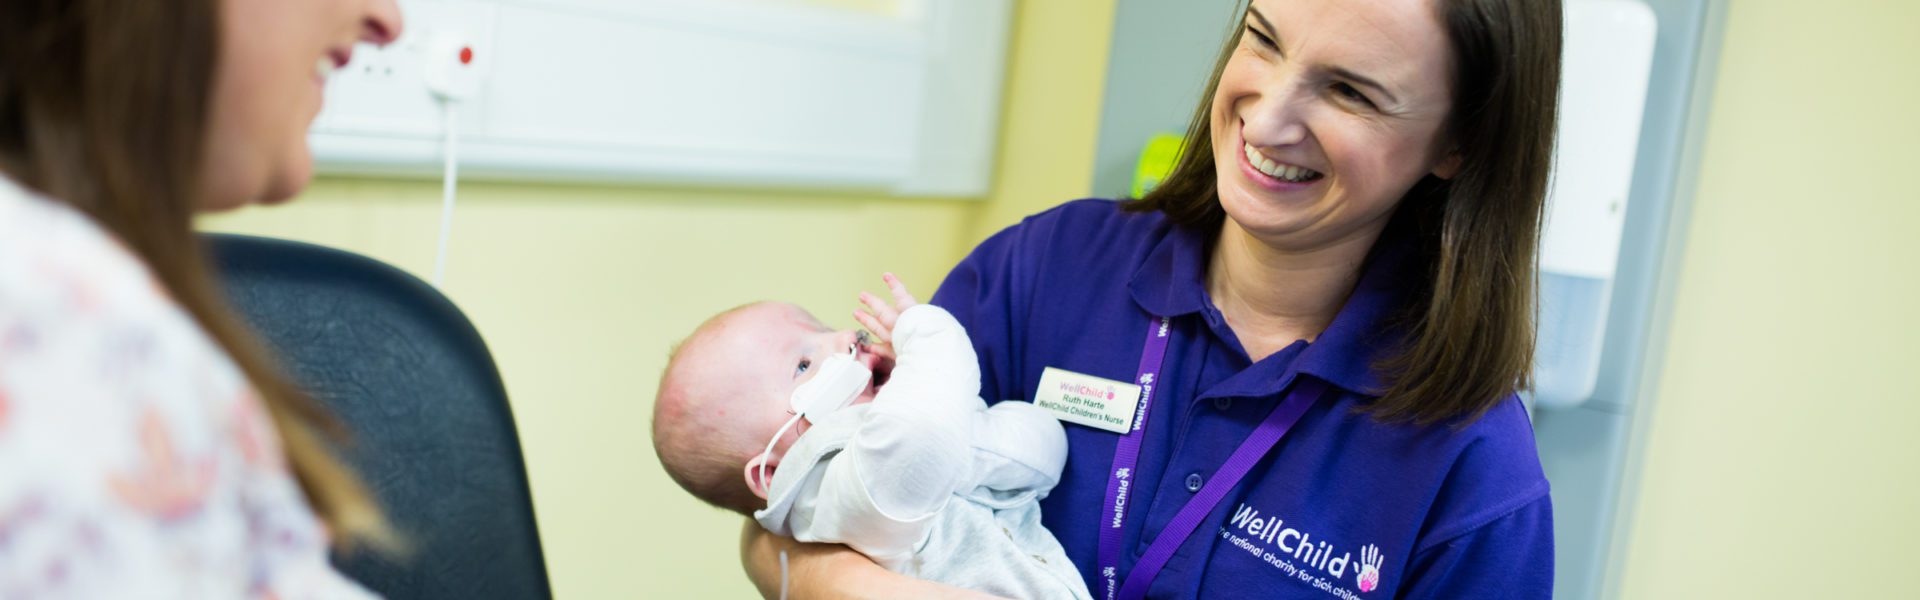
(883,445)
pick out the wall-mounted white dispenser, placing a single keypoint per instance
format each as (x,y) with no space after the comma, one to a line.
(1605,66)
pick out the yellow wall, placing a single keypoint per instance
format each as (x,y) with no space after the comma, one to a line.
(1781,459)
(580,291)
(1051,120)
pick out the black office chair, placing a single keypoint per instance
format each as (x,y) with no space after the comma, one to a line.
(400,365)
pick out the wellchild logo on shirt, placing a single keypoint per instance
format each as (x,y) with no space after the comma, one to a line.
(1298,554)
(1370,567)
(1087,391)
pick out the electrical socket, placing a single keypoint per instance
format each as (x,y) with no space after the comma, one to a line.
(385,92)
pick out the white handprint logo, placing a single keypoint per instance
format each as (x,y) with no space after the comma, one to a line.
(1370,561)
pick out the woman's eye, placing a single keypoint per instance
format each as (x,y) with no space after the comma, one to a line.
(802,369)
(1260,37)
(1349,93)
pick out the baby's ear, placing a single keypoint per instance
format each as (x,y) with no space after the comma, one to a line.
(752,472)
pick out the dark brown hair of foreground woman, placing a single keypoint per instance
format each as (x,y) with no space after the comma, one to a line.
(1471,342)
(104,106)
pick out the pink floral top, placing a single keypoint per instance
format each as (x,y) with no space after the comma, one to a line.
(135,461)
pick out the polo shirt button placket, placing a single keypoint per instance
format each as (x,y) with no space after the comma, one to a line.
(1193,482)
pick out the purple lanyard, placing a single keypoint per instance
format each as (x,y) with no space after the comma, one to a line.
(1127,453)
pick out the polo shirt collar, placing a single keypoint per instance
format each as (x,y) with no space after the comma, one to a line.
(1365,331)
(1171,282)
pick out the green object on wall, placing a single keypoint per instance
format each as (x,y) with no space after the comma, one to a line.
(1157,159)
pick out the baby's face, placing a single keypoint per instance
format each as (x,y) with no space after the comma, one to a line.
(771,348)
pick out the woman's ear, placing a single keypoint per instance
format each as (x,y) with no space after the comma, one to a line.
(752,472)
(1449,165)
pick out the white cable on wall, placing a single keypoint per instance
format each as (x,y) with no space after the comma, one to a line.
(449,183)
(450,75)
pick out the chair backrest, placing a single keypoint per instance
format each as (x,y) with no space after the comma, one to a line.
(409,375)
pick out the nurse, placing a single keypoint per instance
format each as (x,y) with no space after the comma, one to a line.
(1326,310)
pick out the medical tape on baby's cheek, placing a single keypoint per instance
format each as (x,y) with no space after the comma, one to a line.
(840,379)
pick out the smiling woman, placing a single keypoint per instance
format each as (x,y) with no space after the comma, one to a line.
(277,58)
(1314,139)
(151,446)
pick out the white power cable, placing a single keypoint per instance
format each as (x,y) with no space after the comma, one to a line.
(450,77)
(450,176)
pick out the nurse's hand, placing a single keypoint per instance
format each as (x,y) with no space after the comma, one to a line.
(879,317)
(829,571)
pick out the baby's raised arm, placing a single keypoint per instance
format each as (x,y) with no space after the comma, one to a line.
(882,493)
(933,357)
(901,467)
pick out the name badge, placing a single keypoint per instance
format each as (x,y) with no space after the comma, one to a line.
(1087,400)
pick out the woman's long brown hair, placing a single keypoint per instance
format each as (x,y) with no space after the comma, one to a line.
(104,106)
(1470,339)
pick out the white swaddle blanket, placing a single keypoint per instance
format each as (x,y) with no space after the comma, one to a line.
(927,480)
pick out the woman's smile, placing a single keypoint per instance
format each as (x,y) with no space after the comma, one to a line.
(1275,175)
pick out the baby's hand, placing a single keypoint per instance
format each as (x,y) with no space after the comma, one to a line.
(880,321)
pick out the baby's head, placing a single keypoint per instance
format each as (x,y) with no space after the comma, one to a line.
(726,392)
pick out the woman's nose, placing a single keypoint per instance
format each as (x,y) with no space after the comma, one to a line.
(382,22)
(1275,119)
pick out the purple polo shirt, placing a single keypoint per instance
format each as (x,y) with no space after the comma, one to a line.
(1343,507)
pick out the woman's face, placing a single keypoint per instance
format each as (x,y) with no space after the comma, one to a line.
(1328,111)
(275,56)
